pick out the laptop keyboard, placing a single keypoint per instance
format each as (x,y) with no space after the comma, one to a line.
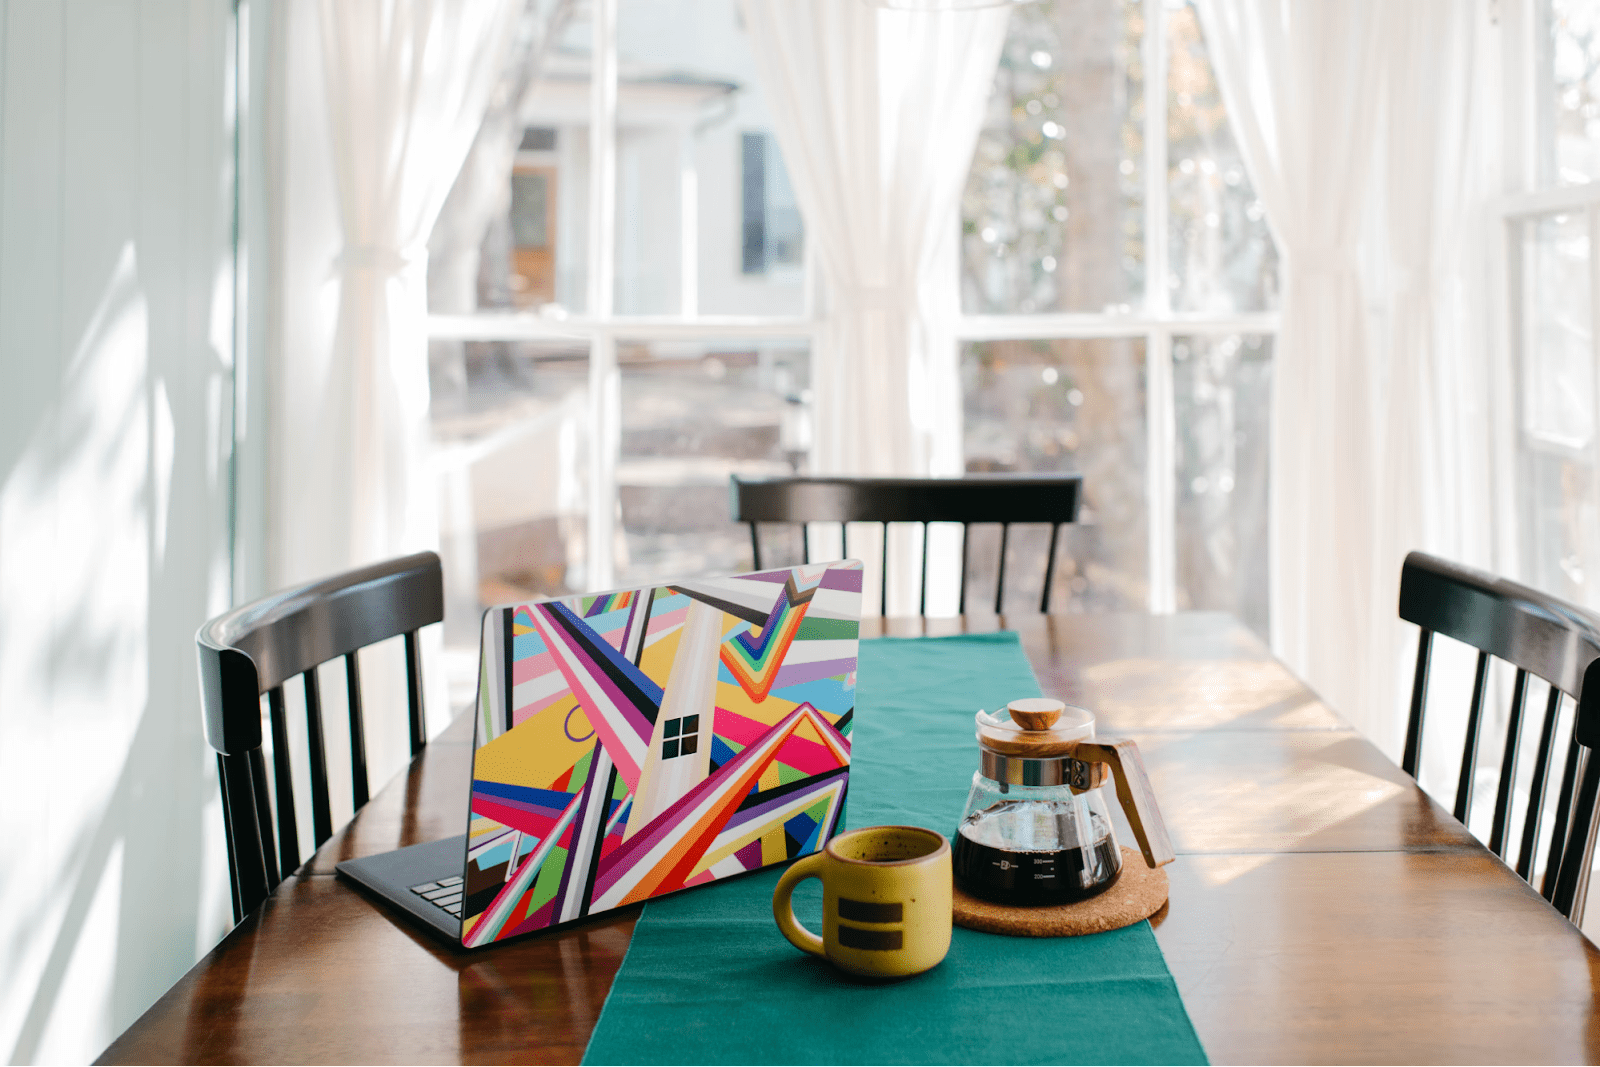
(446,893)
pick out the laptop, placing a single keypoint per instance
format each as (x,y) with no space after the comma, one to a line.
(636,743)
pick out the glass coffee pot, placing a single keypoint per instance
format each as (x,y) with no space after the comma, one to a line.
(1037,829)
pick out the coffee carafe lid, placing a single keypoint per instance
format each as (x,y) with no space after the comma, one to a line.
(1039,728)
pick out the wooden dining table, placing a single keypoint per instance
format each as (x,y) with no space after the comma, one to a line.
(1322,908)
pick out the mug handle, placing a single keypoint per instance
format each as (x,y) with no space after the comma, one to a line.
(783,906)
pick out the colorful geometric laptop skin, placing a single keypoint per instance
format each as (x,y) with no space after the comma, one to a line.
(632,744)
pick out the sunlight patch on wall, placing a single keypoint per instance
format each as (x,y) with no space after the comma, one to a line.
(85,997)
(75,523)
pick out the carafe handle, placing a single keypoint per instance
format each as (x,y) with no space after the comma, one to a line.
(1138,799)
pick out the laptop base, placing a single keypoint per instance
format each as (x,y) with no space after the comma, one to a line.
(392,874)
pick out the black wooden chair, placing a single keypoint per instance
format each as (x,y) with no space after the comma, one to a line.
(1545,638)
(255,649)
(1005,499)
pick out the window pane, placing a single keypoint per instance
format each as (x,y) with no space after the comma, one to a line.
(1222,257)
(695,413)
(1571,90)
(1053,214)
(706,216)
(770,234)
(1561,544)
(513,233)
(1223,404)
(511,447)
(1561,521)
(1558,343)
(1075,405)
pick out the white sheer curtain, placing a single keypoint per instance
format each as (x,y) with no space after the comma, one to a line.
(1334,101)
(878,114)
(407,84)
(1437,448)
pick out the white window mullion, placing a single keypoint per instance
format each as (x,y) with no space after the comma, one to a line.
(1505,276)
(605,400)
(605,394)
(1161,448)
(1154,47)
(688,223)
(1591,537)
(1161,470)
(1075,324)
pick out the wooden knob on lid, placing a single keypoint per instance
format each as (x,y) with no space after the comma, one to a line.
(1035,713)
(1039,729)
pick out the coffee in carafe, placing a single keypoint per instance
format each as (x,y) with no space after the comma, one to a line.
(1037,830)
(993,861)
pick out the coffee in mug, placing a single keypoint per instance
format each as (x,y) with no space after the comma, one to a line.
(885,901)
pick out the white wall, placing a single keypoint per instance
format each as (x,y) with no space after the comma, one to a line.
(115,402)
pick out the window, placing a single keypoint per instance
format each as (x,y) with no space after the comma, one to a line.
(1120,285)
(1550,277)
(531,220)
(680,737)
(1569,92)
(771,234)
(624,325)
(1118,295)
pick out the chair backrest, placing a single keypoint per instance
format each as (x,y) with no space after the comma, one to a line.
(997,498)
(1545,638)
(255,649)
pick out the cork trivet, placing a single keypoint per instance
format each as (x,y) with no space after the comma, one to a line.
(1139,893)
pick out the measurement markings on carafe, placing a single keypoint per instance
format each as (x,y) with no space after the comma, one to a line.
(1044,867)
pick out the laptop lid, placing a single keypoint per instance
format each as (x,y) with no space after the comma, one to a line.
(635,743)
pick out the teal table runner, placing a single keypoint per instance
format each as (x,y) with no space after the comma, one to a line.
(709,979)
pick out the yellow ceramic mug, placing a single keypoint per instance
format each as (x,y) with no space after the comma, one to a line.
(885,901)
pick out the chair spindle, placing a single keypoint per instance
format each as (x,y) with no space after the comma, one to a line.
(883,574)
(419,735)
(1572,883)
(961,601)
(1469,752)
(283,783)
(1049,569)
(1580,896)
(922,604)
(358,732)
(252,868)
(1508,766)
(321,808)
(1558,829)
(257,779)
(1000,579)
(227,833)
(755,548)
(1536,788)
(1419,700)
